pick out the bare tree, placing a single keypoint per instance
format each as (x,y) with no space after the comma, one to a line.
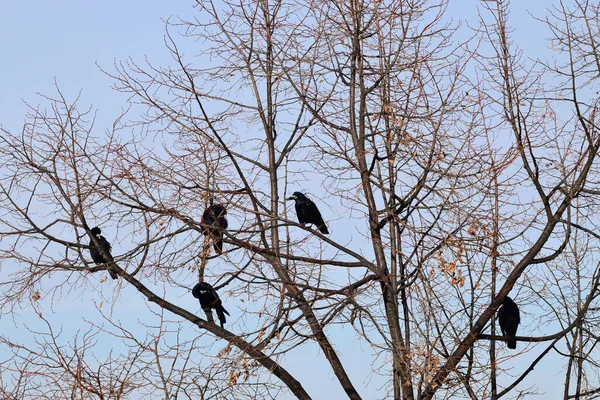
(451,170)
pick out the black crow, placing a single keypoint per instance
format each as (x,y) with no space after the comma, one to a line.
(508,317)
(100,251)
(307,212)
(214,223)
(209,299)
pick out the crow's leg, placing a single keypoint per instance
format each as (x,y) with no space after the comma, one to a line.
(209,316)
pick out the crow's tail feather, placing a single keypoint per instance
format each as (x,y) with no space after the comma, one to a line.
(221,311)
(321,226)
(218,245)
(112,272)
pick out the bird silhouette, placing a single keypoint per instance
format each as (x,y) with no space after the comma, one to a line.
(100,251)
(509,319)
(307,212)
(209,299)
(214,223)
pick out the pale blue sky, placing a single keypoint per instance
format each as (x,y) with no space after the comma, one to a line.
(43,41)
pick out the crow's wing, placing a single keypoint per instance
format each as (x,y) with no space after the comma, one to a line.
(512,322)
(218,243)
(106,245)
(207,220)
(313,212)
(300,212)
(315,217)
(224,224)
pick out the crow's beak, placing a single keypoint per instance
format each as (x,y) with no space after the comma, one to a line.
(291,198)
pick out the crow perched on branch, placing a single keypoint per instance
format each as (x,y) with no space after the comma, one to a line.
(100,251)
(307,212)
(214,223)
(209,299)
(508,317)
